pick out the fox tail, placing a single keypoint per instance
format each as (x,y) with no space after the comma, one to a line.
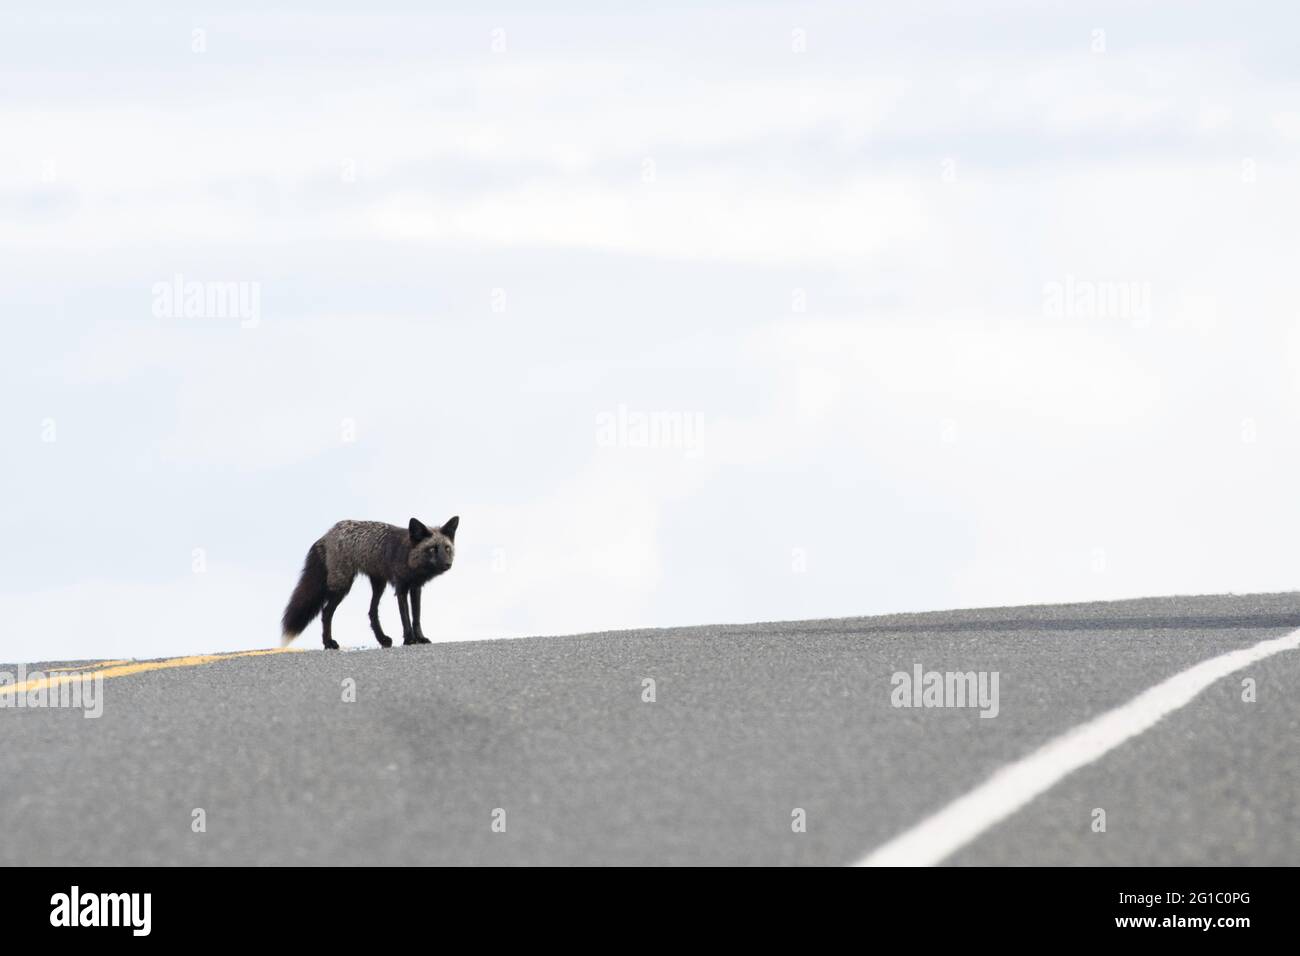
(308,597)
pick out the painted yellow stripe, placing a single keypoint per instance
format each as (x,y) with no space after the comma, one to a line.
(93,665)
(119,669)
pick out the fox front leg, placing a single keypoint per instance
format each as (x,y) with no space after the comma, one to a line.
(415,616)
(408,636)
(377,591)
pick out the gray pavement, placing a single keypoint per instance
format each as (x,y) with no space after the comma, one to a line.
(750,722)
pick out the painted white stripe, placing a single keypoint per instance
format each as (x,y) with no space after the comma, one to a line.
(1010,788)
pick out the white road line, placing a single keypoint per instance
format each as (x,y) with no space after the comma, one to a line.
(1010,788)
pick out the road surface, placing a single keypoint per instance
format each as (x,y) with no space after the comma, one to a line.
(752,729)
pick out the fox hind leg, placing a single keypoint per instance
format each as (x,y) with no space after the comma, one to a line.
(377,591)
(327,616)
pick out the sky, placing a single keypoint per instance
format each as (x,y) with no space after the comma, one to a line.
(694,313)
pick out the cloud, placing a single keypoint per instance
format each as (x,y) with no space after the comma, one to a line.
(838,260)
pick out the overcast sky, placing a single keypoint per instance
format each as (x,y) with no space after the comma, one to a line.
(945,304)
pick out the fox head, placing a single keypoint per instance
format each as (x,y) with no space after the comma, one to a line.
(432,550)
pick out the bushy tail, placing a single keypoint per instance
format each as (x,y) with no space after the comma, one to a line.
(308,597)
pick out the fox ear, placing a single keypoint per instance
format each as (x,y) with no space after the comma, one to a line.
(449,529)
(418,531)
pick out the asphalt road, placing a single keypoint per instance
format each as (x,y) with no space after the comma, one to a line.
(749,722)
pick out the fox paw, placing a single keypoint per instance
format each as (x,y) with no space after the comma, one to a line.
(384,641)
(416,640)
(331,644)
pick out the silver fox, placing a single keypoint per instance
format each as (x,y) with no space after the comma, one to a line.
(407,558)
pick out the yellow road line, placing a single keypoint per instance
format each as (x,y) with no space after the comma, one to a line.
(120,669)
(93,665)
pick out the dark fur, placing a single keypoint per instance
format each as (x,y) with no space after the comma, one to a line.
(309,596)
(407,558)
